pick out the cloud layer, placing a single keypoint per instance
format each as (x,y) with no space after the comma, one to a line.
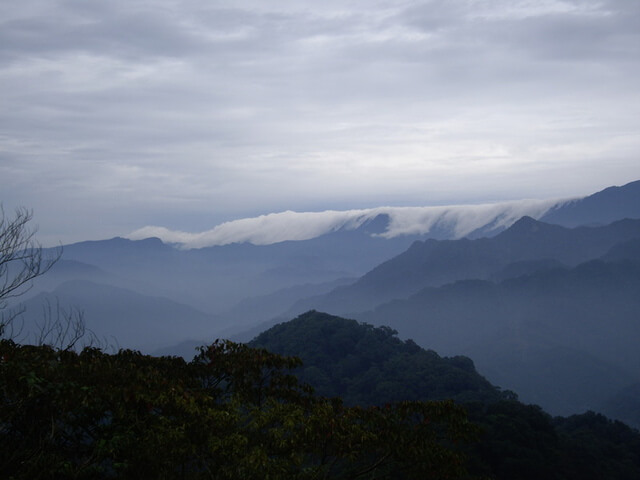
(458,221)
(188,113)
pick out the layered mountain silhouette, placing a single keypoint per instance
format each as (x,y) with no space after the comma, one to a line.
(601,208)
(527,246)
(547,311)
(534,303)
(565,338)
(119,317)
(215,279)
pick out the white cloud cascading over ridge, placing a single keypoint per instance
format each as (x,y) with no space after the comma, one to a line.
(457,220)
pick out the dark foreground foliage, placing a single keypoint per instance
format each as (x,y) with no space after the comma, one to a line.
(234,412)
(522,442)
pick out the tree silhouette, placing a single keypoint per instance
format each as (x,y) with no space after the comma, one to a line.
(22,259)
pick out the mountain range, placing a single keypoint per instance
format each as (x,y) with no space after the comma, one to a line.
(527,289)
(527,246)
(564,338)
(249,283)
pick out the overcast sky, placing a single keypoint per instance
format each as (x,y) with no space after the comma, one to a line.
(183,114)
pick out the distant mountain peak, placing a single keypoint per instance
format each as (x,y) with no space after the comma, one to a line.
(525,221)
(528,227)
(527,224)
(601,208)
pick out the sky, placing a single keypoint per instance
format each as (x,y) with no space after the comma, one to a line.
(117,115)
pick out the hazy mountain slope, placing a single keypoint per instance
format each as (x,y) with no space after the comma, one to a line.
(624,405)
(525,267)
(624,251)
(565,338)
(255,309)
(151,267)
(246,320)
(601,208)
(433,262)
(215,279)
(65,270)
(123,317)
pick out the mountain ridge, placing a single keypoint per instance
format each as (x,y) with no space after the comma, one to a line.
(122,316)
(438,262)
(562,337)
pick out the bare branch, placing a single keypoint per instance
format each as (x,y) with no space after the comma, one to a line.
(11,323)
(21,257)
(64,329)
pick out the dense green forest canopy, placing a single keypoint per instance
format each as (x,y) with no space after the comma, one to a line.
(365,365)
(234,412)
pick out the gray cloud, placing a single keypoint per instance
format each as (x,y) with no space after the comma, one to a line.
(185,114)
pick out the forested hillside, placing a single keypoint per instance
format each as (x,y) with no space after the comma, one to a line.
(516,441)
(370,366)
